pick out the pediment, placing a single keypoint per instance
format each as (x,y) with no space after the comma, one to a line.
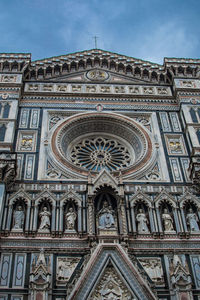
(77,66)
(109,274)
(105,77)
(104,178)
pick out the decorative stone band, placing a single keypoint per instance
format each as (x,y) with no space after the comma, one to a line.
(91,88)
(131,136)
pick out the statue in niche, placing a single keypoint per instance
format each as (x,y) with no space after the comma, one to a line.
(70,218)
(106,216)
(142,222)
(18,218)
(45,220)
(192,220)
(167,221)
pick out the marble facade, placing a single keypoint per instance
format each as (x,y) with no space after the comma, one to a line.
(100,177)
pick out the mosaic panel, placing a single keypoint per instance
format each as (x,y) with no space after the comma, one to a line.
(26,141)
(175,144)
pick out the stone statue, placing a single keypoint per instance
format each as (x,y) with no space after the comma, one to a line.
(45,220)
(18,218)
(142,222)
(106,217)
(167,221)
(70,218)
(192,220)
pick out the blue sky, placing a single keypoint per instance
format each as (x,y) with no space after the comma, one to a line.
(146,29)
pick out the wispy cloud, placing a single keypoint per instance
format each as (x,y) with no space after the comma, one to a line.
(167,40)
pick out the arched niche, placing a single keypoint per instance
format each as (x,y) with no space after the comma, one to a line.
(106,211)
(70,213)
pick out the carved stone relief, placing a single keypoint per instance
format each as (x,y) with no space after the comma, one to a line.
(65,268)
(97,75)
(8,78)
(110,287)
(153,267)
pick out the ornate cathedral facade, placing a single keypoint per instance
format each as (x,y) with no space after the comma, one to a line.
(99,178)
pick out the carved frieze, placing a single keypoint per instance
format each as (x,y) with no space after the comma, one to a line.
(98,88)
(10,78)
(187,83)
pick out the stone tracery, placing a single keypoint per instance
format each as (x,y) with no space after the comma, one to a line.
(97,153)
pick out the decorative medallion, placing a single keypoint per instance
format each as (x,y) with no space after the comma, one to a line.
(97,75)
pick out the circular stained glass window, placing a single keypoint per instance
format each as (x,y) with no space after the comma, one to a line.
(97,153)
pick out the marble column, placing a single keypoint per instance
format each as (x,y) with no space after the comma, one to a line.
(35,219)
(151,220)
(91,219)
(79,219)
(9,220)
(61,219)
(183,220)
(176,220)
(133,219)
(159,220)
(27,218)
(53,218)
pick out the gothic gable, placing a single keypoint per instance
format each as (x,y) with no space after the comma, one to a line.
(109,272)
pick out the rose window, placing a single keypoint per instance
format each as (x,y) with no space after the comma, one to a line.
(97,153)
(91,142)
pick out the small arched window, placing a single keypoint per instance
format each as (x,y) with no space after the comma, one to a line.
(6,111)
(2,132)
(193,115)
